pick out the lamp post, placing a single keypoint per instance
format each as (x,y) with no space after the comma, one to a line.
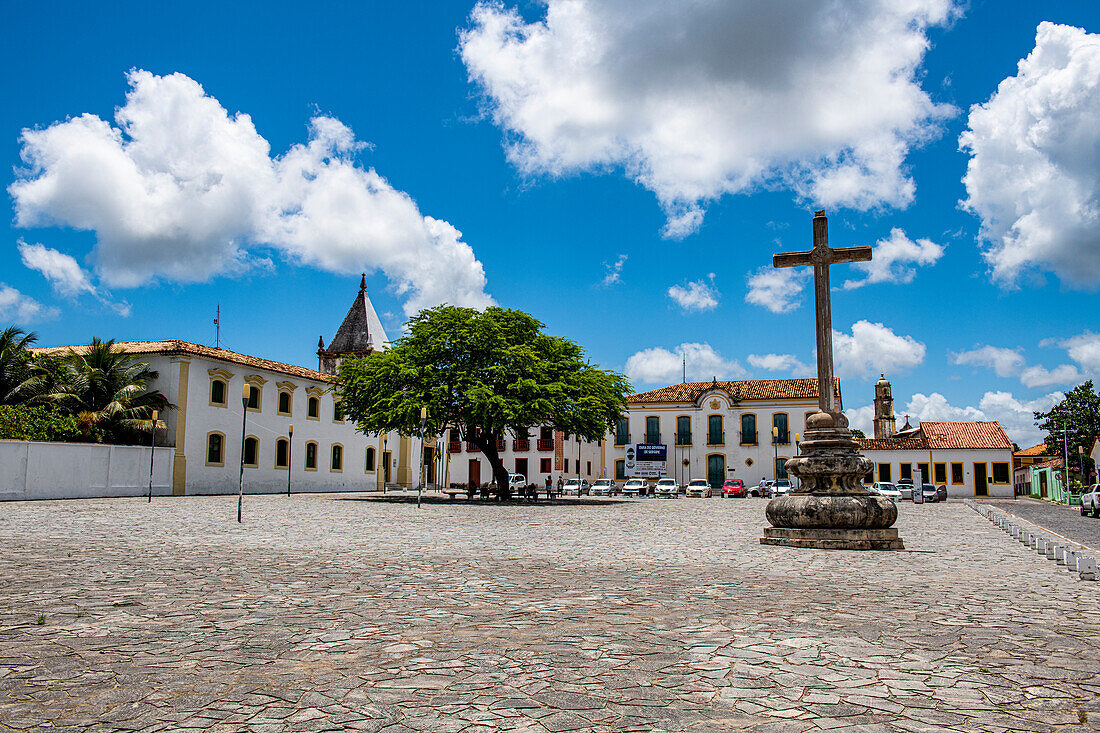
(775,444)
(244,424)
(1065,448)
(385,460)
(423,465)
(152,451)
(289,454)
(797,440)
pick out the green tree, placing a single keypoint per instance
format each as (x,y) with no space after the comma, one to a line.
(108,392)
(16,365)
(36,422)
(485,373)
(1073,422)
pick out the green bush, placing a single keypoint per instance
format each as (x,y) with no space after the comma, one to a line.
(23,422)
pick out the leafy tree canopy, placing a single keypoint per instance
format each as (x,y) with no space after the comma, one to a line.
(1079,414)
(36,422)
(16,365)
(485,373)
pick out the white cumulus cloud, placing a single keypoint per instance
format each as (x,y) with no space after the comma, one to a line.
(696,100)
(696,295)
(63,272)
(873,348)
(1085,350)
(784,363)
(661,366)
(19,308)
(1034,172)
(862,418)
(1011,363)
(1015,415)
(895,260)
(178,189)
(777,289)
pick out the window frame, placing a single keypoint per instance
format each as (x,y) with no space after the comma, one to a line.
(785,434)
(939,469)
(903,469)
(286,454)
(962,474)
(223,376)
(648,434)
(721,429)
(370,460)
(620,469)
(256,387)
(336,455)
(622,431)
(289,411)
(305,456)
(993,472)
(887,478)
(755,429)
(221,451)
(680,434)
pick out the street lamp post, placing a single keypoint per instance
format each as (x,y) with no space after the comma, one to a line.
(385,460)
(1065,448)
(797,440)
(289,455)
(244,426)
(152,452)
(423,465)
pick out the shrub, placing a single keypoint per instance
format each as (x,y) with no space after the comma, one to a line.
(23,422)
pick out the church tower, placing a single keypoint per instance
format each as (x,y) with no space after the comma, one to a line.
(885,426)
(360,334)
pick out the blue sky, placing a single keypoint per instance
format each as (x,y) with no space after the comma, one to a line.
(622,171)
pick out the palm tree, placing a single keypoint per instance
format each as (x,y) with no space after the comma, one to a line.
(107,390)
(16,365)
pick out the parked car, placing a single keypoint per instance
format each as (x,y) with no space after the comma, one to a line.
(905,489)
(1090,501)
(666,488)
(636,487)
(933,493)
(762,489)
(884,488)
(698,487)
(782,486)
(516,481)
(734,488)
(604,487)
(576,487)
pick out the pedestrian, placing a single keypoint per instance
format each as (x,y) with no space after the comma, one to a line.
(549,487)
(560,482)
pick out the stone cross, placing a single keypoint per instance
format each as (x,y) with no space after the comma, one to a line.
(821,257)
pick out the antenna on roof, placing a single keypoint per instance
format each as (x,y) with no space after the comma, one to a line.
(218,327)
(685,367)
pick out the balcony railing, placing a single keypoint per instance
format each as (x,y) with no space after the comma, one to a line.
(783,439)
(683,439)
(500,444)
(749,439)
(653,438)
(622,438)
(455,446)
(472,447)
(544,444)
(716,438)
(521,444)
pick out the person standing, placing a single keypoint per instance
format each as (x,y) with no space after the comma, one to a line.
(549,487)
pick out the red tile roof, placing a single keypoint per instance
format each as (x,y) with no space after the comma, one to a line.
(1035,450)
(891,443)
(1052,463)
(748,389)
(186,348)
(967,435)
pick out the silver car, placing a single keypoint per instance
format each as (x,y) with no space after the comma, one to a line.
(604,487)
(884,488)
(576,487)
(667,489)
(636,487)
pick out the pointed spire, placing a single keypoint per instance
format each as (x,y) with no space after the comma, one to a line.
(320,343)
(363,282)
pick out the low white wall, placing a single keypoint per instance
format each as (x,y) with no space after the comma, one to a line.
(38,470)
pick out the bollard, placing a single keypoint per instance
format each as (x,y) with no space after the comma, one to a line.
(1086,568)
(1060,555)
(1051,548)
(1025,538)
(1071,561)
(1034,542)
(1041,546)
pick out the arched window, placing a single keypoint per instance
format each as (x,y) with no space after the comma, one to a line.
(781,433)
(313,408)
(748,429)
(217,393)
(337,462)
(311,456)
(251,451)
(254,395)
(370,459)
(715,434)
(337,412)
(282,452)
(284,403)
(683,430)
(215,449)
(653,429)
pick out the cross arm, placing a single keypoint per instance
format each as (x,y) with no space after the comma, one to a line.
(851,254)
(791,259)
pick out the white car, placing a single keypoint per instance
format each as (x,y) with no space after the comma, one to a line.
(698,487)
(905,489)
(604,487)
(782,486)
(884,488)
(636,487)
(576,487)
(517,481)
(1090,501)
(666,488)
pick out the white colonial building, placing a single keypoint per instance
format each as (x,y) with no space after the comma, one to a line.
(717,430)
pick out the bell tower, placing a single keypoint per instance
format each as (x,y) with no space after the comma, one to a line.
(360,334)
(885,424)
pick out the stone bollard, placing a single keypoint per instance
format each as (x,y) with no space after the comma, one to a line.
(1025,538)
(1071,561)
(1051,549)
(1086,568)
(1041,546)
(1059,554)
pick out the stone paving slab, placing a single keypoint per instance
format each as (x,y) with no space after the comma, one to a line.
(330,612)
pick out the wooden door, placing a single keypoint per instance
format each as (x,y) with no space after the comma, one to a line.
(981,487)
(716,470)
(475,471)
(387,460)
(521,467)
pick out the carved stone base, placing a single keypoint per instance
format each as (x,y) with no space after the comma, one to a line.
(832,511)
(834,539)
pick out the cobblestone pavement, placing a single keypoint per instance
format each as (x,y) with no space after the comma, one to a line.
(331,612)
(1060,519)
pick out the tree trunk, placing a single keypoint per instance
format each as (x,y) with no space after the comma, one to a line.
(488,447)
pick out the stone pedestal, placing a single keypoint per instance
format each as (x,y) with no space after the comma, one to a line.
(831,510)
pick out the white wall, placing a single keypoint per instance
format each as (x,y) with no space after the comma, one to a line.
(968,458)
(34,470)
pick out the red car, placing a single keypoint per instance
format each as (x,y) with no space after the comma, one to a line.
(735,488)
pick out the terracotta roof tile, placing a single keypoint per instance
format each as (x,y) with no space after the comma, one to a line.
(186,348)
(891,443)
(966,435)
(1052,463)
(748,389)
(1035,450)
